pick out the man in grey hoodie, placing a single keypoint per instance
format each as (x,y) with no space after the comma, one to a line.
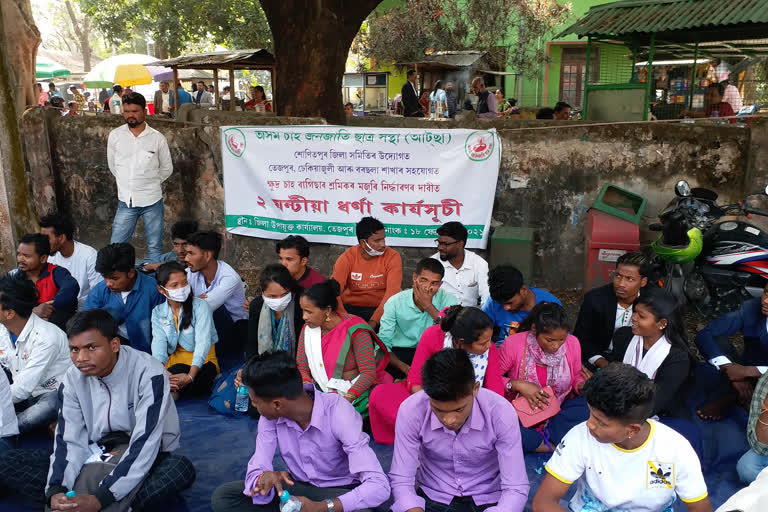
(116,427)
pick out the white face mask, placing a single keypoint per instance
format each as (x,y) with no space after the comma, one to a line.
(278,305)
(178,294)
(371,251)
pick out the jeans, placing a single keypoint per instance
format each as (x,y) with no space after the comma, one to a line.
(750,465)
(125,223)
(39,411)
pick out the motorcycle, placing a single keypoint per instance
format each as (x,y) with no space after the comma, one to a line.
(711,256)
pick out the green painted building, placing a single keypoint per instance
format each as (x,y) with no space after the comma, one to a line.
(562,76)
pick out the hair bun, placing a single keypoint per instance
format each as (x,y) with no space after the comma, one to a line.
(334,286)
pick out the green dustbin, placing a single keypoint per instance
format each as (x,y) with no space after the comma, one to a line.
(620,203)
(513,246)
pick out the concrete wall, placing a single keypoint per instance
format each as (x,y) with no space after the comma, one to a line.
(550,174)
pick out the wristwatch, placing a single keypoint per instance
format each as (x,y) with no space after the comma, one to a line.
(329,504)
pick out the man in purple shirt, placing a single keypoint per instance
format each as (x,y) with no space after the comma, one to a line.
(457,445)
(331,467)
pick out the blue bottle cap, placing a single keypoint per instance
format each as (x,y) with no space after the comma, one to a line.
(70,494)
(285,496)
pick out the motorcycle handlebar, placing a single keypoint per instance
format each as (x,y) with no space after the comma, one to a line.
(756,211)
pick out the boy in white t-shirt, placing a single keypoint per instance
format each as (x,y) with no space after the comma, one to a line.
(78,258)
(620,460)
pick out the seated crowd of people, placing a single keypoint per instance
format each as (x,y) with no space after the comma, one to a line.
(464,373)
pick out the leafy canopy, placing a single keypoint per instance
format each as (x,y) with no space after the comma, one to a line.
(176,25)
(509,30)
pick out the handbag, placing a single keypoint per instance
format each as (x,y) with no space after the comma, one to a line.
(528,416)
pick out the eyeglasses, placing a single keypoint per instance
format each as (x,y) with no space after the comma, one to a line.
(438,243)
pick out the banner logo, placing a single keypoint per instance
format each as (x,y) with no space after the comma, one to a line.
(235,141)
(479,145)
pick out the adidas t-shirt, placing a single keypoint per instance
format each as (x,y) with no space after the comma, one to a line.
(646,479)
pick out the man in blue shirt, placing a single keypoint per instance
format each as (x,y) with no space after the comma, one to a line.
(511,300)
(739,372)
(129,296)
(184,96)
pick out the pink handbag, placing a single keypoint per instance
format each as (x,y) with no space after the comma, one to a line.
(530,417)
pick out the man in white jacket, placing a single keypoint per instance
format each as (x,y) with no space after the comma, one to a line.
(34,353)
(9,427)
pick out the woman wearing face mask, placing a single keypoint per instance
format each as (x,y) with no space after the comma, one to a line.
(657,345)
(461,327)
(543,354)
(183,334)
(274,320)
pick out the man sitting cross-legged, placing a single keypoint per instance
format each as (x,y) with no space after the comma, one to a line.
(457,445)
(331,467)
(117,426)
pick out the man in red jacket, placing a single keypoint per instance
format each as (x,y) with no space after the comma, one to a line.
(57,289)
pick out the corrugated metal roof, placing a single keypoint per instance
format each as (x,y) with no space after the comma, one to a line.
(653,16)
(453,59)
(240,59)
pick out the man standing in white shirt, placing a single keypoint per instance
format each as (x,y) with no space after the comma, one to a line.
(140,160)
(34,352)
(466,273)
(78,258)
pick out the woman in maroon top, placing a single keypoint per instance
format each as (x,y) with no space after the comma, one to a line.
(714,105)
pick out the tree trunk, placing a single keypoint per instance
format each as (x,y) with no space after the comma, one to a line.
(83,33)
(312,40)
(20,39)
(18,48)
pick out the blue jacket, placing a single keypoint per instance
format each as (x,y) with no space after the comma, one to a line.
(136,312)
(750,321)
(197,338)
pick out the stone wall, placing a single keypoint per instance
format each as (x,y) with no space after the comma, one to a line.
(550,174)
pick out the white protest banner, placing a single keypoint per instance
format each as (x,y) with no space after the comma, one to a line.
(319,181)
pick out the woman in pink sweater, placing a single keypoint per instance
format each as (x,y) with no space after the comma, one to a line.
(543,354)
(460,327)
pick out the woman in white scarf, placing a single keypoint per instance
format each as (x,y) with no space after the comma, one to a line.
(657,345)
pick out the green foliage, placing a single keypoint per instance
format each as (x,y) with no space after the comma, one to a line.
(176,25)
(507,29)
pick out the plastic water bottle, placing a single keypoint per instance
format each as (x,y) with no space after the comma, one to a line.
(242,399)
(289,503)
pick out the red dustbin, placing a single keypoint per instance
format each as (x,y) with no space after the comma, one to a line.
(607,237)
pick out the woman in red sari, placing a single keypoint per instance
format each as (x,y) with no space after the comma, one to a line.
(258,97)
(460,327)
(338,352)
